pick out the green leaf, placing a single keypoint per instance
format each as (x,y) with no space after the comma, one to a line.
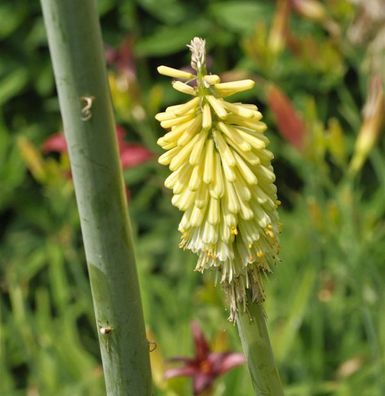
(105,6)
(286,335)
(12,84)
(11,19)
(240,16)
(168,40)
(167,11)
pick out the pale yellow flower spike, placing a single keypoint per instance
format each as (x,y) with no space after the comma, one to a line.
(222,179)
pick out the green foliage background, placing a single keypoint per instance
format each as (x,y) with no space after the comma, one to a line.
(325,300)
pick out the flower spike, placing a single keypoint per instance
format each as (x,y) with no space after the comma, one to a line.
(222,179)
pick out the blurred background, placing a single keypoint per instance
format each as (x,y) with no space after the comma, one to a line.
(319,68)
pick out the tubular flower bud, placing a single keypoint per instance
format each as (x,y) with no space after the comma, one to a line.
(223,181)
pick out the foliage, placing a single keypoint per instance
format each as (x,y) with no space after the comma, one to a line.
(325,299)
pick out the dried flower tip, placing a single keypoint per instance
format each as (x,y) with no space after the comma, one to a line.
(175,73)
(197,47)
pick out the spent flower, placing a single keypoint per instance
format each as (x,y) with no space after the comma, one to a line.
(222,179)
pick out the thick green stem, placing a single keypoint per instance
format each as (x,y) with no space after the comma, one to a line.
(256,346)
(77,55)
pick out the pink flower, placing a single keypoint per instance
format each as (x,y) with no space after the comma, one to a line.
(206,365)
(55,143)
(131,154)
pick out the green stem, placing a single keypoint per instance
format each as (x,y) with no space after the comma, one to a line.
(77,55)
(256,346)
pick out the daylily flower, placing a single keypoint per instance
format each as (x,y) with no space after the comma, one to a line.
(131,154)
(206,365)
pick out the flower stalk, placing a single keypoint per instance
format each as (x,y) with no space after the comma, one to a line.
(256,346)
(223,181)
(75,43)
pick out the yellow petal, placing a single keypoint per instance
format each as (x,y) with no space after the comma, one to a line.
(184,200)
(246,212)
(182,180)
(245,171)
(166,157)
(266,156)
(202,197)
(171,179)
(234,136)
(240,110)
(198,150)
(164,116)
(266,172)
(166,145)
(224,150)
(217,187)
(190,131)
(228,171)
(254,141)
(184,88)
(249,156)
(210,234)
(208,174)
(262,217)
(231,198)
(206,117)
(212,79)
(176,121)
(217,106)
(242,190)
(183,108)
(251,123)
(175,73)
(181,156)
(196,217)
(230,88)
(196,178)
(214,211)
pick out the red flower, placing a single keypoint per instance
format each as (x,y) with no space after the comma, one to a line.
(206,365)
(55,143)
(131,154)
(290,124)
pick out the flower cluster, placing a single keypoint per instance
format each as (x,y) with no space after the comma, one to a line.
(222,179)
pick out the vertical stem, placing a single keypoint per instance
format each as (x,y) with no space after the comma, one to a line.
(77,55)
(256,346)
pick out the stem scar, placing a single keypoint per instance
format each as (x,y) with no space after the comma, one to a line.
(105,329)
(152,346)
(87,102)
